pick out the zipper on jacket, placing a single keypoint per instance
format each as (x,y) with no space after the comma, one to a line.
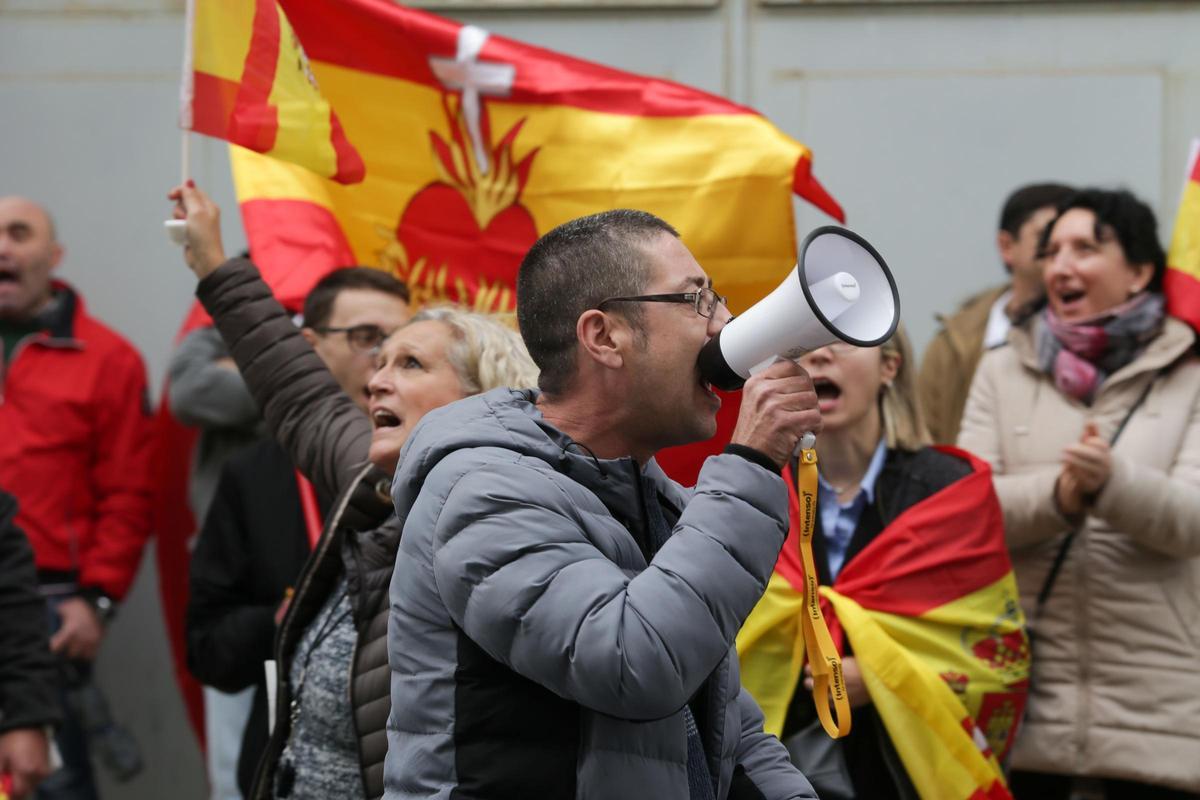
(283,728)
(641,537)
(358,740)
(1082,603)
(351,541)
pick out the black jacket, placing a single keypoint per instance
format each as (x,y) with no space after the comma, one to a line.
(907,478)
(249,552)
(28,673)
(328,437)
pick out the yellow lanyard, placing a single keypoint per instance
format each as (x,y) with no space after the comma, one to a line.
(818,644)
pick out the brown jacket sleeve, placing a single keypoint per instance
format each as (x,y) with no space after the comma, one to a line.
(324,432)
(941,400)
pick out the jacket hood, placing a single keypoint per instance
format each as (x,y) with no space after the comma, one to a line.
(509,419)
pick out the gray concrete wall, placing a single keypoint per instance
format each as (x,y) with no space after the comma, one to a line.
(922,117)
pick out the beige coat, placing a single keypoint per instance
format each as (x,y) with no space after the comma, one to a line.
(949,363)
(1116,676)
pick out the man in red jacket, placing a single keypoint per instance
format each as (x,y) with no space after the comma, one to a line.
(74,449)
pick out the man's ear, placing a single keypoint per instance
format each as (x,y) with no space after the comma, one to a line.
(1005,243)
(56,255)
(309,335)
(603,338)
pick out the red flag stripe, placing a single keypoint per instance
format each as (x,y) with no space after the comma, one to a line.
(350,166)
(805,184)
(387,39)
(255,122)
(213,100)
(297,228)
(1183,296)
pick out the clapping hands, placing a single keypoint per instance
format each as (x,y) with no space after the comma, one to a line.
(1086,467)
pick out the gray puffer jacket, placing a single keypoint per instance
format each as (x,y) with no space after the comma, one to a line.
(540,649)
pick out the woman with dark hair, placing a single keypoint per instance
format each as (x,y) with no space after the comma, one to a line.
(1090,417)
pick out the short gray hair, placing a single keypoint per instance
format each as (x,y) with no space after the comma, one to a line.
(486,353)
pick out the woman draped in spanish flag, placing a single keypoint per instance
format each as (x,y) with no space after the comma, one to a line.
(918,592)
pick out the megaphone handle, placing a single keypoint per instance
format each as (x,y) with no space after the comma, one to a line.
(807,442)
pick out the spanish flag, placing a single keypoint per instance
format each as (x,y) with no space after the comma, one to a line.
(1182,281)
(472,146)
(931,611)
(246,80)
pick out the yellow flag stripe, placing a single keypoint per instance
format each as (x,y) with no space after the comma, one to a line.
(923,716)
(672,172)
(221,37)
(1184,254)
(304,132)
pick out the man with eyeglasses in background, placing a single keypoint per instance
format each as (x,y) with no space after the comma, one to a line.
(263,517)
(563,614)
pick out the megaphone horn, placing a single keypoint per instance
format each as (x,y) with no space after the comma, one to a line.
(840,290)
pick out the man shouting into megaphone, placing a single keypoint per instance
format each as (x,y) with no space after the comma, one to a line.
(562,614)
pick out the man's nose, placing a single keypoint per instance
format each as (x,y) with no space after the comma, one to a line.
(719,319)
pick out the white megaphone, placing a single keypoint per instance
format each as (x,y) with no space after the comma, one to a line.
(840,290)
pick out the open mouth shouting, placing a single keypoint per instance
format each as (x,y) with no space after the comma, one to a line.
(828,393)
(383,418)
(1069,300)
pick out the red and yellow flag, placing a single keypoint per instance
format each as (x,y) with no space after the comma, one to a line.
(1182,281)
(248,81)
(931,611)
(473,145)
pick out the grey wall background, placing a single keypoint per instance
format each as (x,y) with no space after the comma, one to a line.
(922,117)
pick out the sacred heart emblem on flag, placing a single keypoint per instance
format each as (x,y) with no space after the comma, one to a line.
(464,235)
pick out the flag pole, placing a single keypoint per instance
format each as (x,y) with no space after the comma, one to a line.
(185,155)
(187,90)
(176,228)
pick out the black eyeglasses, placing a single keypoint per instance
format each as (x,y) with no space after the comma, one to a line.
(363,338)
(705,301)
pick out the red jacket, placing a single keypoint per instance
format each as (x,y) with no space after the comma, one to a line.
(75,443)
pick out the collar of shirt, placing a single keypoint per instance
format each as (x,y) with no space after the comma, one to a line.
(998,324)
(838,520)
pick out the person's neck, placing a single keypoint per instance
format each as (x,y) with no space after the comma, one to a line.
(1025,291)
(844,455)
(19,321)
(592,422)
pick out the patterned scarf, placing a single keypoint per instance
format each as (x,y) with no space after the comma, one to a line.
(1080,355)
